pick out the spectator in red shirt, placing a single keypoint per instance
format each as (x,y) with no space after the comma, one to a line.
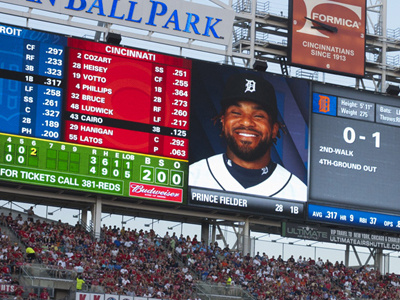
(32,295)
(18,293)
(44,295)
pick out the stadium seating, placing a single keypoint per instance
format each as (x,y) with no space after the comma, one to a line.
(143,264)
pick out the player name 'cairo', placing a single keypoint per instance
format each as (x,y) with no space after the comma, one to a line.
(100,110)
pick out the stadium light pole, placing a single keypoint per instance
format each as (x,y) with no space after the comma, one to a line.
(78,216)
(179,224)
(52,212)
(109,215)
(264,235)
(123,222)
(278,239)
(152,223)
(292,243)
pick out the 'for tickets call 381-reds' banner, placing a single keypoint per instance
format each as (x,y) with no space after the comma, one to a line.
(328,35)
(114,120)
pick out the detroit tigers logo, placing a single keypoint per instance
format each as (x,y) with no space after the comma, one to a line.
(250,86)
(264,171)
(324,104)
(333,20)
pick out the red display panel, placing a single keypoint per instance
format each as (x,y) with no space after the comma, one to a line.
(127,99)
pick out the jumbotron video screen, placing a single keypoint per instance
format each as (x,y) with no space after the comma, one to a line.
(112,120)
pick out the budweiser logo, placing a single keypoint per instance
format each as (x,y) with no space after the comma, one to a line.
(155,192)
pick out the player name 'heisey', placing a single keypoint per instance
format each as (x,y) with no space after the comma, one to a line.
(100,110)
(99,130)
(95,68)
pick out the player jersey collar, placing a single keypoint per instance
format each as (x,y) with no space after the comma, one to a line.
(249,177)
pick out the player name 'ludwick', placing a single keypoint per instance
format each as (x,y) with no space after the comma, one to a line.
(95,109)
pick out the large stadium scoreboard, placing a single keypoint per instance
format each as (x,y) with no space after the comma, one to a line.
(100,118)
(93,117)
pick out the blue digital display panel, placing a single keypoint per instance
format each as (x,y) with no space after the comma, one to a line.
(31,69)
(354,158)
(353,217)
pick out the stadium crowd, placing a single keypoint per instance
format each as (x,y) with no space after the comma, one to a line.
(141,263)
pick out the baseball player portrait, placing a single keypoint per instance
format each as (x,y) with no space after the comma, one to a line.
(249,124)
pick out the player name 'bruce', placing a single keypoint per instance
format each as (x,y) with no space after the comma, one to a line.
(92,98)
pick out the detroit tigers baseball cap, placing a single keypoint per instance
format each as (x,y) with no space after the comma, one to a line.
(250,87)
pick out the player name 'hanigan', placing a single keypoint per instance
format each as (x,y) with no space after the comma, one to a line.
(99,130)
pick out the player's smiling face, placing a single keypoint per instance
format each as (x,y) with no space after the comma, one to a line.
(249,131)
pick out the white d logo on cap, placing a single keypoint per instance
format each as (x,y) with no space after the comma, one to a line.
(250,86)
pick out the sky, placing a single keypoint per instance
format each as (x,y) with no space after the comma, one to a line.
(263,242)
